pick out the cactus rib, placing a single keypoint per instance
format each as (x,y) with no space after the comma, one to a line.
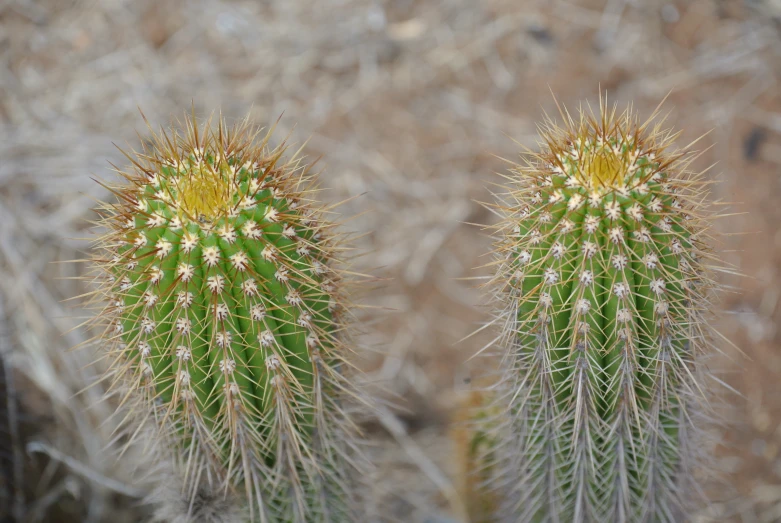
(605,284)
(224,313)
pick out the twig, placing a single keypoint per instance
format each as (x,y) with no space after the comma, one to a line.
(81,469)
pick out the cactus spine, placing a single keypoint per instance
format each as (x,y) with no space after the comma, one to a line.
(224,307)
(603,276)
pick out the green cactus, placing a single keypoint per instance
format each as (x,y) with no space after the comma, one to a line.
(605,285)
(223,313)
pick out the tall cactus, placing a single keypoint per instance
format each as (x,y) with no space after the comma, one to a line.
(605,284)
(224,312)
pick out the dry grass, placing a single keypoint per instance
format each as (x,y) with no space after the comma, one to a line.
(408,102)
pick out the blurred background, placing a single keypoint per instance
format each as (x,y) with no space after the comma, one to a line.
(411,104)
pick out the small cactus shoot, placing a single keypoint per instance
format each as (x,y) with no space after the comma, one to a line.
(224,305)
(605,284)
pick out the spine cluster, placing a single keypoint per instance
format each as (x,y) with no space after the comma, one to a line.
(604,282)
(224,313)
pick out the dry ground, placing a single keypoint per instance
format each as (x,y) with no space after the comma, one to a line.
(410,103)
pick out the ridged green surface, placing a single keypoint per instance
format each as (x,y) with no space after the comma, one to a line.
(604,287)
(210,307)
(224,317)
